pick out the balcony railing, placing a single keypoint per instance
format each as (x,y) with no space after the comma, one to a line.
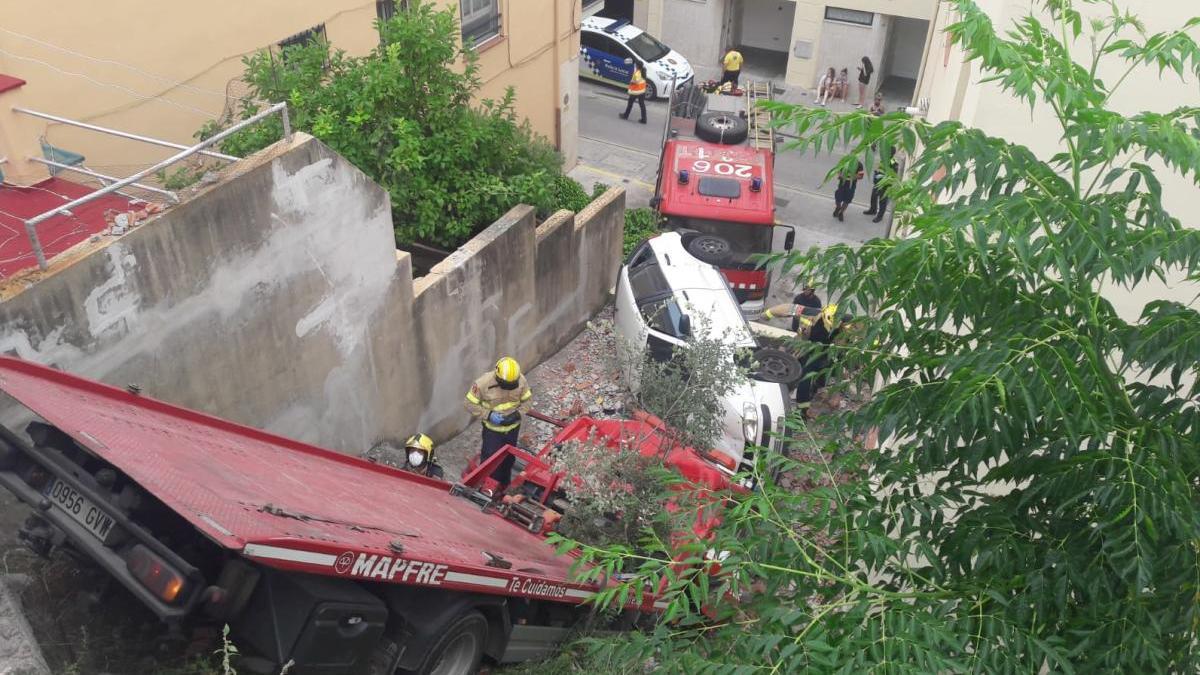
(114,184)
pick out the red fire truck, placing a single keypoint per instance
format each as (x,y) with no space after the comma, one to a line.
(314,558)
(716,184)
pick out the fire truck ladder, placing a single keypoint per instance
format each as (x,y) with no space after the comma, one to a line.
(761,134)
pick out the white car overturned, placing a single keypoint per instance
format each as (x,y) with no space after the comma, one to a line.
(660,288)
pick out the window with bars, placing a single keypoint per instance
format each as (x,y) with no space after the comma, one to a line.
(304,37)
(480,20)
(854,16)
(386,9)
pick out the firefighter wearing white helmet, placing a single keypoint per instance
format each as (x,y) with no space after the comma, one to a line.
(419,457)
(499,398)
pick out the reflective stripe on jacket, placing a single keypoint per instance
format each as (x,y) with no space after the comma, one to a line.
(637,83)
(487,396)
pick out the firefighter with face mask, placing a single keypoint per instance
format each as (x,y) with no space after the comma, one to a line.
(499,397)
(819,325)
(419,458)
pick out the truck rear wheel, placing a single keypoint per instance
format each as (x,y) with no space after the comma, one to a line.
(725,128)
(460,648)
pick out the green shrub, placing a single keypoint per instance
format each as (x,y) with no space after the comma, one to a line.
(404,115)
(640,224)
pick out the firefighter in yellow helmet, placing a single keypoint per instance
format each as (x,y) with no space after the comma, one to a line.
(499,397)
(419,457)
(817,324)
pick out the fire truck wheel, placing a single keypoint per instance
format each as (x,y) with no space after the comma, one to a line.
(460,648)
(721,127)
(777,366)
(709,248)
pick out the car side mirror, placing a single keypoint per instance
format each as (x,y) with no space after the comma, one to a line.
(685,325)
(789,240)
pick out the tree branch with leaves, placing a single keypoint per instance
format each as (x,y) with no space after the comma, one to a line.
(1035,502)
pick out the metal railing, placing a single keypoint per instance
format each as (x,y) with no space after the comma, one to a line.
(104,178)
(118,132)
(132,181)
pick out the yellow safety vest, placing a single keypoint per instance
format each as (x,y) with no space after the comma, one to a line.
(637,83)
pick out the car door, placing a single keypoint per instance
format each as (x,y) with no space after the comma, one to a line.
(590,54)
(609,56)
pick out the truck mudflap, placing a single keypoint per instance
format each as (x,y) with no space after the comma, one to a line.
(288,505)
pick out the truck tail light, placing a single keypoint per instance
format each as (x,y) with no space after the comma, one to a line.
(154,573)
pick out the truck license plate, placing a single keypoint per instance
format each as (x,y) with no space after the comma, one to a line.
(81,509)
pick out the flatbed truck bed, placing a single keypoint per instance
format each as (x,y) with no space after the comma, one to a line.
(336,564)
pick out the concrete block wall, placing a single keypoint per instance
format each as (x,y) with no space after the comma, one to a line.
(275,298)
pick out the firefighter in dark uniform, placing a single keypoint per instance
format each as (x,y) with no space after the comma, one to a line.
(807,297)
(819,325)
(499,397)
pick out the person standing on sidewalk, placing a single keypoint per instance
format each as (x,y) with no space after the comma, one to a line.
(865,70)
(844,194)
(732,65)
(879,197)
(637,92)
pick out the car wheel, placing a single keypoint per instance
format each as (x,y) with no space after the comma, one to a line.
(651,90)
(777,366)
(722,127)
(710,248)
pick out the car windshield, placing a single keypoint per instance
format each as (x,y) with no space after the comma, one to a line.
(647,47)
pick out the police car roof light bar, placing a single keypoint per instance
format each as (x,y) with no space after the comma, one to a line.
(616,25)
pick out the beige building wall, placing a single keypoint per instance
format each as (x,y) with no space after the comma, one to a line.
(163,70)
(842,45)
(698,29)
(953,91)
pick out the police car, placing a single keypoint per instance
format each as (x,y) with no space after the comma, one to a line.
(605,44)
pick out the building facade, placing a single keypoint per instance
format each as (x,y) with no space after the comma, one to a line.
(164,70)
(792,41)
(951,89)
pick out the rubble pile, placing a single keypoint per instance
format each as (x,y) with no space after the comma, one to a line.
(581,379)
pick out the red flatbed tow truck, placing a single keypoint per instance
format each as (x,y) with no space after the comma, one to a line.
(326,561)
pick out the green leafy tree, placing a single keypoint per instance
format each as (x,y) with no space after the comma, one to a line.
(1035,505)
(685,385)
(403,114)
